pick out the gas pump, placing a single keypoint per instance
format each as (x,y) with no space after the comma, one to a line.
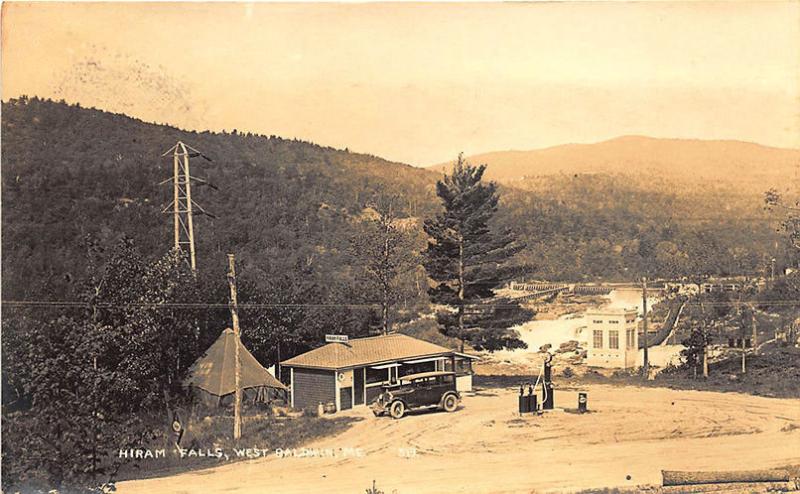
(532,407)
(547,383)
(527,403)
(546,380)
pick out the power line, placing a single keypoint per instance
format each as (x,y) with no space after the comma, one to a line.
(727,219)
(366,305)
(172,305)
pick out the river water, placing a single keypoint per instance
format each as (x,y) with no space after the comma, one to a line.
(573,327)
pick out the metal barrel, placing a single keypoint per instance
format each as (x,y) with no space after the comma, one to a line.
(532,403)
(582,402)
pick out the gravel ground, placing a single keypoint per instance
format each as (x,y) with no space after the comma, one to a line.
(631,434)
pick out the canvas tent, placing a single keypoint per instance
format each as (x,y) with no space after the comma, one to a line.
(213,373)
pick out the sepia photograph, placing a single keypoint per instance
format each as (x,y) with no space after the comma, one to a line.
(354,247)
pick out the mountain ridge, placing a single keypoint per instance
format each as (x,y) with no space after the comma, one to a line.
(635,137)
(679,159)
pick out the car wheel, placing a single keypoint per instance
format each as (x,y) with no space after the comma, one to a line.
(450,403)
(397,410)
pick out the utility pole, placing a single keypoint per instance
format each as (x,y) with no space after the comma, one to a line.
(744,346)
(237,405)
(755,329)
(645,361)
(704,334)
(182,203)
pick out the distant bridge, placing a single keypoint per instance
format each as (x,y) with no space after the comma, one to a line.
(541,289)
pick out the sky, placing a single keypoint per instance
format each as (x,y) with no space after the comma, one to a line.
(419,83)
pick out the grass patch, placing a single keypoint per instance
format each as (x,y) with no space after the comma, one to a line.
(774,374)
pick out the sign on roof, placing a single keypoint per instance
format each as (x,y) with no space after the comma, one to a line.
(336,338)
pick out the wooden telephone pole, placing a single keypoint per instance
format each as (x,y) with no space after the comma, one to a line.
(645,361)
(754,340)
(237,405)
(744,346)
(704,335)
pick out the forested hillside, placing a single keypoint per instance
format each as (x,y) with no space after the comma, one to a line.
(289,208)
(594,226)
(281,205)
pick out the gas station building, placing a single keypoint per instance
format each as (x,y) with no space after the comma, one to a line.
(350,372)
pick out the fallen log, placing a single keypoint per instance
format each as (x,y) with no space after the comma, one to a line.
(677,477)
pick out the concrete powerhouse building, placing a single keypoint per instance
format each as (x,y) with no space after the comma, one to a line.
(613,338)
(350,373)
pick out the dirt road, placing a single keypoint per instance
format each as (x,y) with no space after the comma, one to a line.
(485,447)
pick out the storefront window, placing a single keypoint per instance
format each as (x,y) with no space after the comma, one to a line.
(408,369)
(377,375)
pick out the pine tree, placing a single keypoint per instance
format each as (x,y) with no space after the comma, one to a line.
(466,260)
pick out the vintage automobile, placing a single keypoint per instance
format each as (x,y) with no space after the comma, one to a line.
(416,391)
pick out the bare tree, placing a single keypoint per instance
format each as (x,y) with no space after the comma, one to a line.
(385,249)
(790,224)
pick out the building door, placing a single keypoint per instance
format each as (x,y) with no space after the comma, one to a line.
(346,397)
(358,386)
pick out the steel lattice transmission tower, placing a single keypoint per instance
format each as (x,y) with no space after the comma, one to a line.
(182,205)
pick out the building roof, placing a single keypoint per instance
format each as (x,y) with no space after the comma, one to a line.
(366,351)
(214,371)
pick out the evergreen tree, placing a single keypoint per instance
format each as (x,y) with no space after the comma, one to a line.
(465,259)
